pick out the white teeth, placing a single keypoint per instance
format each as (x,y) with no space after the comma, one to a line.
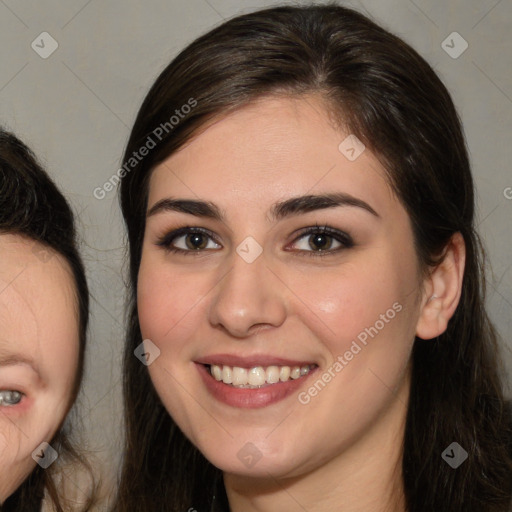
(272,374)
(284,373)
(227,374)
(257,376)
(295,373)
(239,376)
(217,372)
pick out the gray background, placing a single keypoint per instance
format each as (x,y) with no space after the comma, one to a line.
(75,109)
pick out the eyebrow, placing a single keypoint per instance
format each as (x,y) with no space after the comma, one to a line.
(12,359)
(280,210)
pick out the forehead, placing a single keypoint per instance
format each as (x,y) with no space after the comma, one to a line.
(37,297)
(274,147)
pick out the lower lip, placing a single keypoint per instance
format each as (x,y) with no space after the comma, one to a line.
(250,398)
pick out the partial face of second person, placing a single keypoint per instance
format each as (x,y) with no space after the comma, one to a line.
(207,298)
(39,342)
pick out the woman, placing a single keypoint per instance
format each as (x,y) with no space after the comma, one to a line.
(44,306)
(307,306)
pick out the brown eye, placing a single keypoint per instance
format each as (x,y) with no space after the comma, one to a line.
(196,241)
(322,241)
(188,240)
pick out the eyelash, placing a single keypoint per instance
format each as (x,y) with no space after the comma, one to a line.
(11,391)
(343,238)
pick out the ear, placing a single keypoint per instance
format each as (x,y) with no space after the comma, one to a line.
(442,290)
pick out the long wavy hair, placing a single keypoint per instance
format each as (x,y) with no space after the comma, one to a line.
(32,206)
(381,90)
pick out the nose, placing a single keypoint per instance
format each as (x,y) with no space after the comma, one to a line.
(248,298)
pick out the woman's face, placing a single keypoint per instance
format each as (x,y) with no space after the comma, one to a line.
(38,353)
(295,284)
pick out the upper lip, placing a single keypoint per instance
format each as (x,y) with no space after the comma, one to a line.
(249,361)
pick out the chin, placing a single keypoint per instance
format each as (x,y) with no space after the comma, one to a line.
(253,462)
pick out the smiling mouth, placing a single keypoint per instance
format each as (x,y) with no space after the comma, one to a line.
(257,376)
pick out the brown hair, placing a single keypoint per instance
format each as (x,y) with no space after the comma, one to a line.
(32,206)
(381,90)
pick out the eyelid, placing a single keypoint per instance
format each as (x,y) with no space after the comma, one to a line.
(19,376)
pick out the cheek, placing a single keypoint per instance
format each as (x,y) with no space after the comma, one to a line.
(34,420)
(17,441)
(342,303)
(60,363)
(16,448)
(366,324)
(4,444)
(168,302)
(48,405)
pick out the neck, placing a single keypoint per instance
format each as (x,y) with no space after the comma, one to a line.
(367,477)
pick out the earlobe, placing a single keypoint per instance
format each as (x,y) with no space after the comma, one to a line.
(442,291)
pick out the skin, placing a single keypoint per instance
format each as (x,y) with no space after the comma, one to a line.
(341,450)
(38,322)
